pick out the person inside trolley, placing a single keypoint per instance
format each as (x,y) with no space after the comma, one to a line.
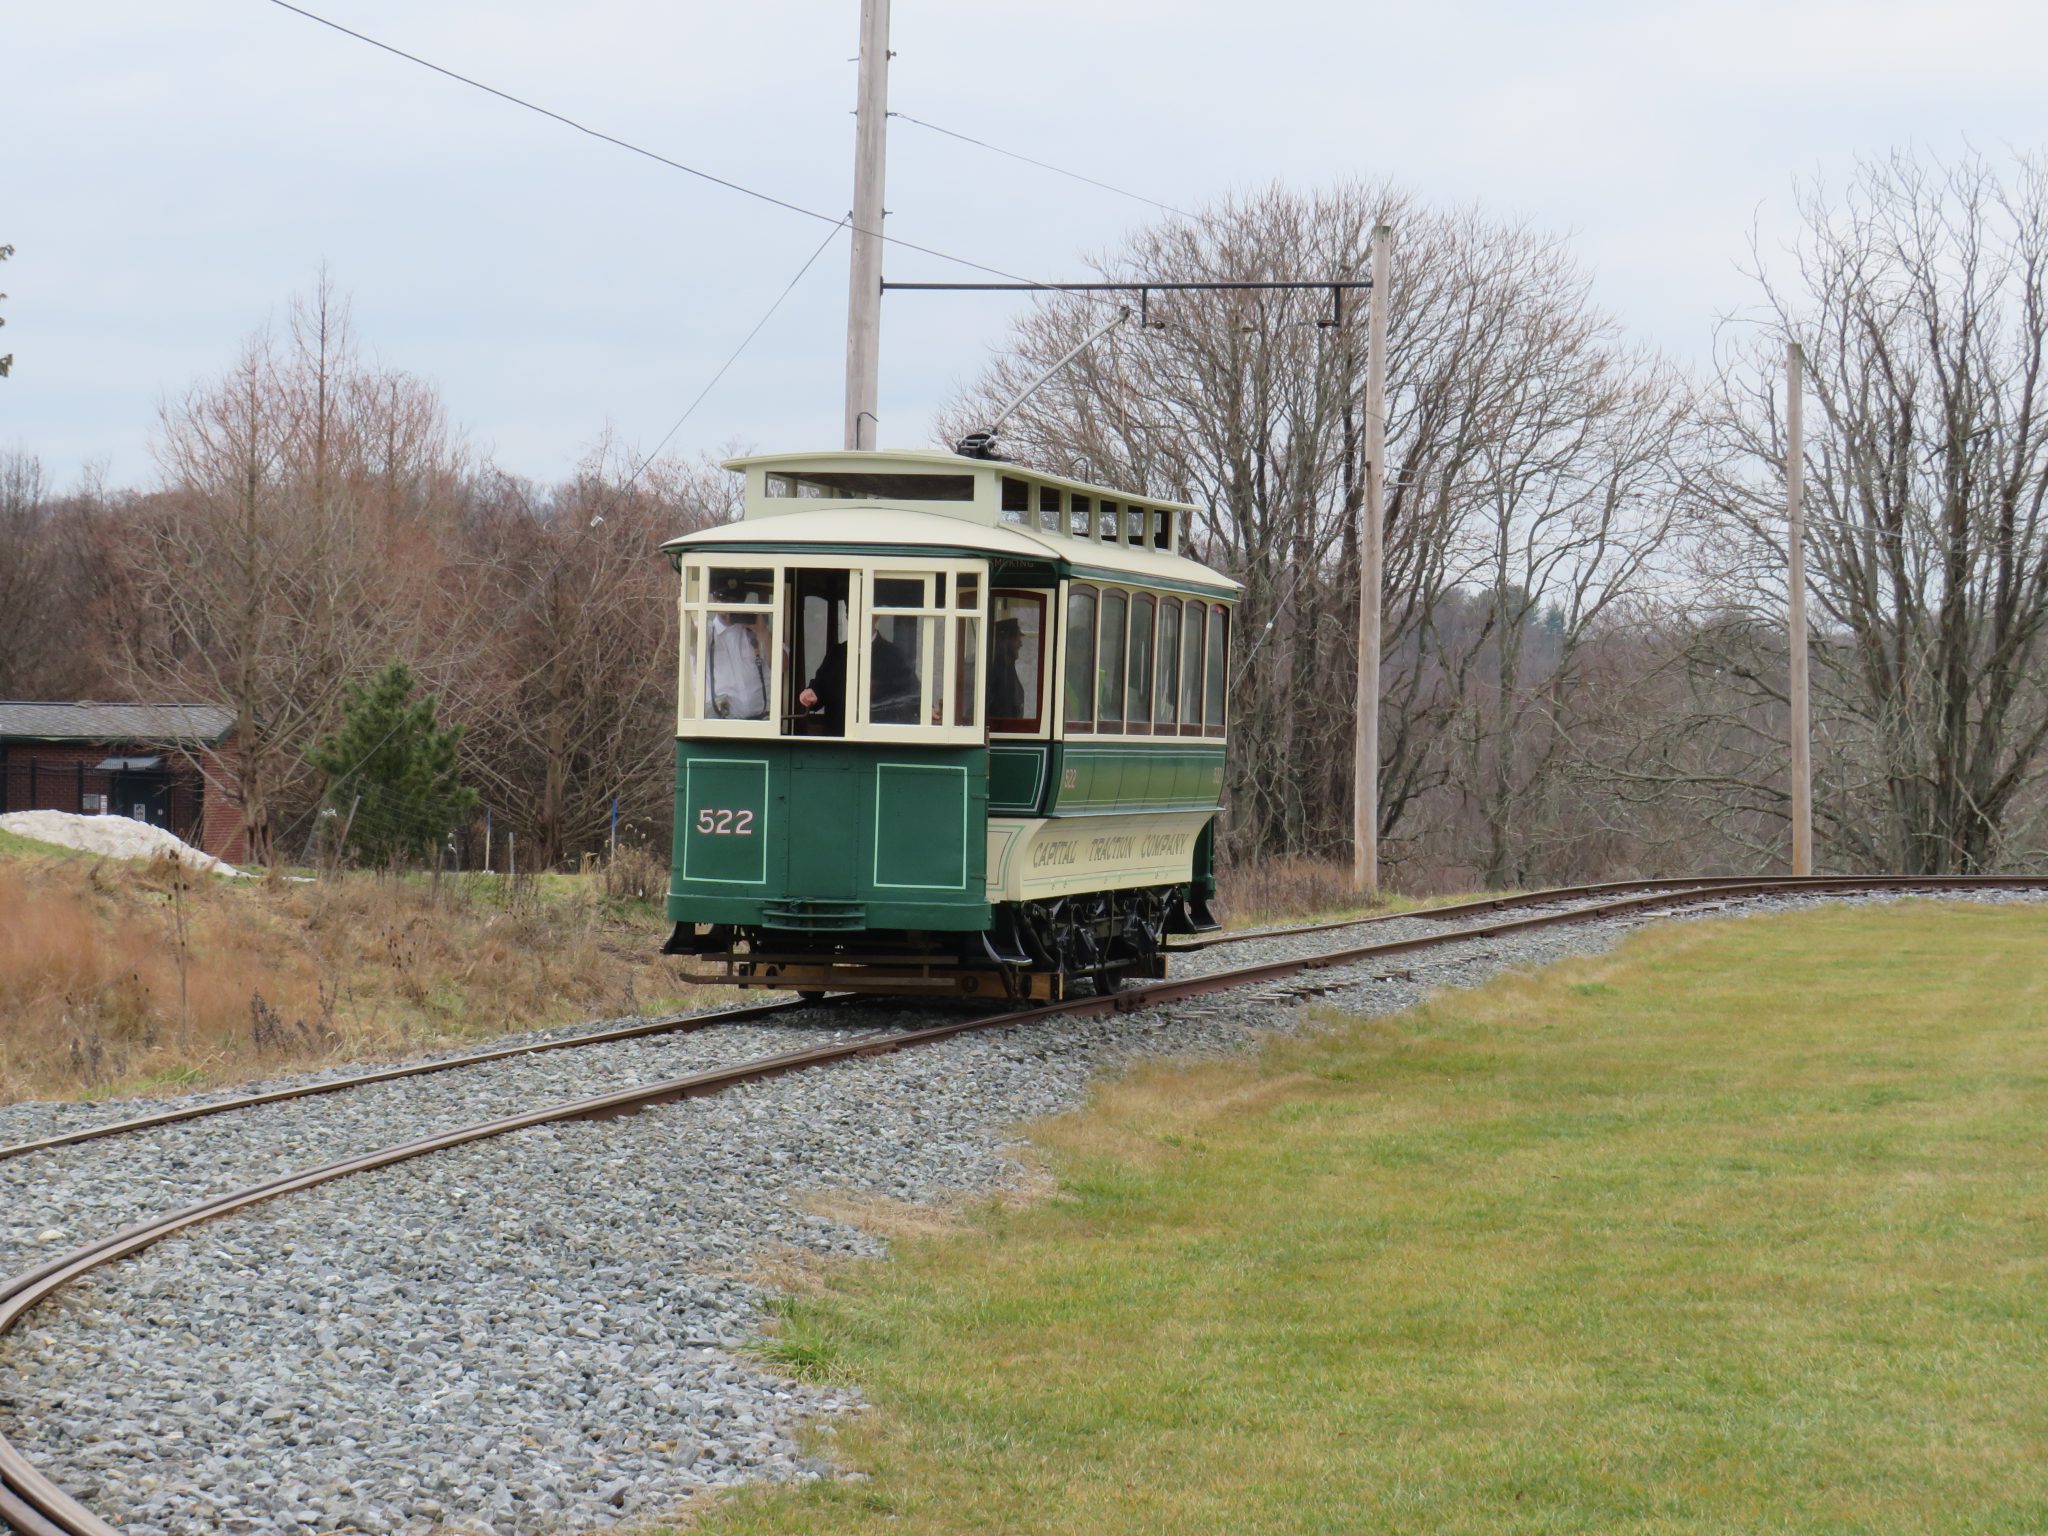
(1005,682)
(893,685)
(739,672)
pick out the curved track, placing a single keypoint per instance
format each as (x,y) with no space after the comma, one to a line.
(31,1503)
(687,1023)
(669,1024)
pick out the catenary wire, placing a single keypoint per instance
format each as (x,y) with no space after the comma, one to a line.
(627,144)
(1057,170)
(712,383)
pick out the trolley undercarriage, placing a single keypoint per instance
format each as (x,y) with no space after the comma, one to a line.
(1037,951)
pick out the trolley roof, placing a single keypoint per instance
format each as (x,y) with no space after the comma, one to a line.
(873,502)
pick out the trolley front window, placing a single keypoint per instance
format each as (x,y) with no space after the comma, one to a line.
(809,645)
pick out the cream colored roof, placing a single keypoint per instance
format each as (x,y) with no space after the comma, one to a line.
(889,528)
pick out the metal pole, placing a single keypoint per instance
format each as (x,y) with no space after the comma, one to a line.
(864,299)
(1067,357)
(1365,799)
(1795,611)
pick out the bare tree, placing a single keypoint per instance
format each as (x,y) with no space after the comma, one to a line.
(1918,294)
(282,561)
(570,702)
(1532,455)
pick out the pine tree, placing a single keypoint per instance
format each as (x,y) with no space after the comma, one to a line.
(395,768)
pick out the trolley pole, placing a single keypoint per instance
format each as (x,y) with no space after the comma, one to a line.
(1795,611)
(864,300)
(1365,801)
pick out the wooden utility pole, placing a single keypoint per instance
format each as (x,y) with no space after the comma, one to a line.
(1795,611)
(1365,795)
(864,299)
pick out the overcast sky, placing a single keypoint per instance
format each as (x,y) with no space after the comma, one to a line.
(173,174)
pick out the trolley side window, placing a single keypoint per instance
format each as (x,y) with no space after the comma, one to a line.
(1191,669)
(1016,661)
(1219,656)
(1166,697)
(1109,663)
(1080,657)
(1138,694)
(1016,500)
(1051,515)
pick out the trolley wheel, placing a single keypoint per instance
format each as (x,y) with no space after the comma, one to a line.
(809,996)
(1107,982)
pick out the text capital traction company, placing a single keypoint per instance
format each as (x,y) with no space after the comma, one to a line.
(1103,850)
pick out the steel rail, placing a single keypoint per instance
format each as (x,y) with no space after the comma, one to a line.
(674,1023)
(687,1023)
(35,1505)
(1519,899)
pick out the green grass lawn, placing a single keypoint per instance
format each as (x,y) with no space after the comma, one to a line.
(1741,1228)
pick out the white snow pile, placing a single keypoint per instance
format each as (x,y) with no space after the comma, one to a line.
(118,837)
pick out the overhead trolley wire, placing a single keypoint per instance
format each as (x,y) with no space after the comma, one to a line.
(1057,170)
(626,144)
(712,383)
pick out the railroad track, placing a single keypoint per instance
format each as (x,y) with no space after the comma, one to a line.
(668,1024)
(1450,911)
(689,1023)
(31,1503)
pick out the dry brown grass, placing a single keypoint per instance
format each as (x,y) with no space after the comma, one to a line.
(1283,890)
(1296,890)
(126,978)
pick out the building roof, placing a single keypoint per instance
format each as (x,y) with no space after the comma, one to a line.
(200,724)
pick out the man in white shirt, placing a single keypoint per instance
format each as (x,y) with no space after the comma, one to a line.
(739,674)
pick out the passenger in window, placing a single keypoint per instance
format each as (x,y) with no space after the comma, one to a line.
(1005,682)
(739,673)
(893,685)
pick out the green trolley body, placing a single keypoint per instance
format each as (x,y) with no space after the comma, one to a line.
(943,725)
(818,838)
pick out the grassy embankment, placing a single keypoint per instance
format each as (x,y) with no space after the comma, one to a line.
(120,977)
(116,978)
(1308,890)
(1741,1228)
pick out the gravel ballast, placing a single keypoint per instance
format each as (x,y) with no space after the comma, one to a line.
(540,1332)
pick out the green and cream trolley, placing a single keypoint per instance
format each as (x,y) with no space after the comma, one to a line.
(944,725)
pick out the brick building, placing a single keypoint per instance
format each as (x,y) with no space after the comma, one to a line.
(172,765)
